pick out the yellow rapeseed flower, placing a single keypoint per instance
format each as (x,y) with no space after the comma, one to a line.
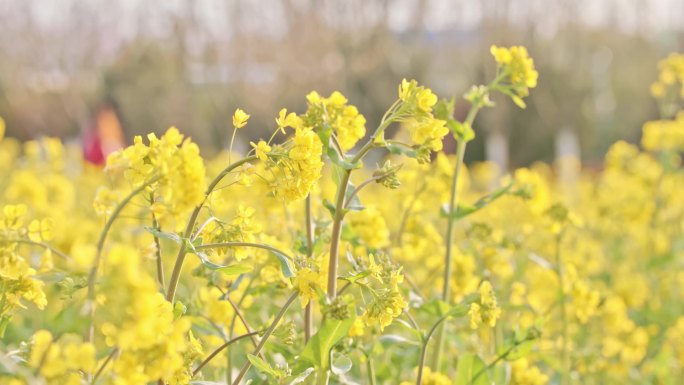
(261,149)
(240,118)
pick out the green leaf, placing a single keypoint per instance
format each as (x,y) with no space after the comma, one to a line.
(235,269)
(436,307)
(519,344)
(324,134)
(285,265)
(500,375)
(468,133)
(178,309)
(461,131)
(464,210)
(459,310)
(317,350)
(444,109)
(353,277)
(161,234)
(337,159)
(330,206)
(262,365)
(355,204)
(4,322)
(340,364)
(229,270)
(389,339)
(471,370)
(301,377)
(401,150)
(522,349)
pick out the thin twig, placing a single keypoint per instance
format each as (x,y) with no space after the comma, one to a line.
(219,349)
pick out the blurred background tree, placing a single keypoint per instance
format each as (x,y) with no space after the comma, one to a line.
(191,63)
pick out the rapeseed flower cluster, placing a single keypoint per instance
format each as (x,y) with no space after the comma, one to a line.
(18,279)
(517,71)
(135,319)
(417,103)
(347,123)
(63,360)
(670,77)
(171,166)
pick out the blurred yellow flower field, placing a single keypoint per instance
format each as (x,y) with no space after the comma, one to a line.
(303,262)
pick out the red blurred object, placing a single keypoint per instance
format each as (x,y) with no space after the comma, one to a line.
(103,137)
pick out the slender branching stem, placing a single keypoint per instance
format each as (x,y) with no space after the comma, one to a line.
(423,350)
(220,349)
(180,258)
(104,365)
(371,369)
(308,310)
(361,186)
(265,338)
(340,202)
(40,244)
(448,239)
(500,357)
(336,234)
(231,329)
(238,313)
(158,252)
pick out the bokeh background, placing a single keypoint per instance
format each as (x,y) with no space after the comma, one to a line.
(72,68)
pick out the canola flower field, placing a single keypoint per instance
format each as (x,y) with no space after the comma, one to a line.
(300,262)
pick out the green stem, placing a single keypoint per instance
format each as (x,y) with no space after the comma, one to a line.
(265,338)
(371,369)
(322,377)
(238,313)
(41,244)
(157,244)
(220,349)
(231,329)
(92,276)
(362,185)
(230,149)
(423,350)
(180,258)
(407,212)
(104,365)
(308,310)
(339,204)
(448,239)
(336,233)
(500,357)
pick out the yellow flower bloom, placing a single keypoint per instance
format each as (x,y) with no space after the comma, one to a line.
(261,149)
(425,100)
(308,282)
(285,120)
(240,118)
(518,70)
(387,305)
(487,311)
